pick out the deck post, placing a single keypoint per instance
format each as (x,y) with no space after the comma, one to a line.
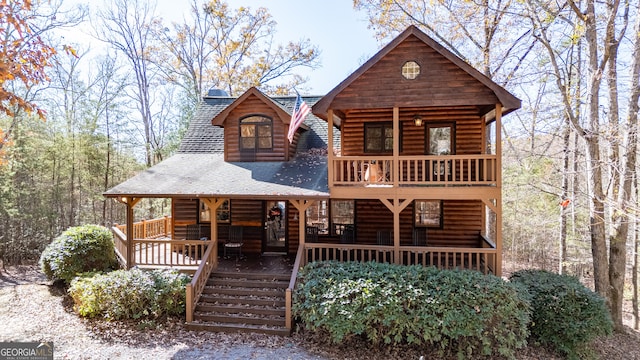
(166,226)
(330,145)
(288,317)
(189,302)
(144,229)
(130,236)
(499,186)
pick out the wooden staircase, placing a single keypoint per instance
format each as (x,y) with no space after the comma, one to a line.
(242,302)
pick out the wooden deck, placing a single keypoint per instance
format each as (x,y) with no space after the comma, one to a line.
(200,257)
(256,263)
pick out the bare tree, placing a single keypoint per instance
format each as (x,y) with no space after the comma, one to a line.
(129,27)
(232,50)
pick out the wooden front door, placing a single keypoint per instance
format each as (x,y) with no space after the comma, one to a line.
(275,219)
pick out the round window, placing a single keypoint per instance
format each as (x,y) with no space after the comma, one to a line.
(410,70)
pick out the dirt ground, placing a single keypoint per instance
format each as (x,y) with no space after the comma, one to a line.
(31,309)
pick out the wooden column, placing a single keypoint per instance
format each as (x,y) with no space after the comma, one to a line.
(396,147)
(214,204)
(499,186)
(330,155)
(396,206)
(130,202)
(301,206)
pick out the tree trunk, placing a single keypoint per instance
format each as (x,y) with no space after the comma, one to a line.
(566,143)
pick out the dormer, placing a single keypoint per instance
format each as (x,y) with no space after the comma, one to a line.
(255,129)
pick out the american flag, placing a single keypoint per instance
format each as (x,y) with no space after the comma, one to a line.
(300,111)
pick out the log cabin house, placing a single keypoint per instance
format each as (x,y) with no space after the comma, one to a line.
(400,162)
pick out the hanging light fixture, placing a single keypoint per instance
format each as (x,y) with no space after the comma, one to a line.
(417,120)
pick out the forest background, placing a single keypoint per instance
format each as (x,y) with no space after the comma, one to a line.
(73,125)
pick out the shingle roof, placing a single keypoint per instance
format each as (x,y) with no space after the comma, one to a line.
(199,169)
(202,137)
(193,174)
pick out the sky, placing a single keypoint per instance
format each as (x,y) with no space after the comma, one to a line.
(333,26)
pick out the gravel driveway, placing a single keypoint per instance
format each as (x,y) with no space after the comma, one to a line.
(33,310)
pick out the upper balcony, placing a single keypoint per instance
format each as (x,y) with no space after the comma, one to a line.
(414,171)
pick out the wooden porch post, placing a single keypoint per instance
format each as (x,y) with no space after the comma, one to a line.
(396,208)
(330,147)
(214,204)
(301,206)
(499,186)
(396,147)
(130,202)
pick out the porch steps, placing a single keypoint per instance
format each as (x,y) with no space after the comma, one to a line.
(242,302)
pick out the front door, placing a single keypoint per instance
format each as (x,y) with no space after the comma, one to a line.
(275,237)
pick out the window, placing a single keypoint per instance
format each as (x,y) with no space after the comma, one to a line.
(222,216)
(428,213)
(410,70)
(342,213)
(256,133)
(318,216)
(378,137)
(440,139)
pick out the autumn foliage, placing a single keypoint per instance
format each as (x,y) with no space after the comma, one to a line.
(23,56)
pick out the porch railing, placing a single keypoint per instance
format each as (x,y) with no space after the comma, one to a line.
(120,242)
(162,253)
(348,252)
(482,260)
(156,248)
(292,285)
(149,229)
(479,259)
(475,170)
(200,278)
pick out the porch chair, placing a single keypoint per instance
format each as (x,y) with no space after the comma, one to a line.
(419,239)
(383,237)
(311,234)
(348,235)
(192,232)
(234,243)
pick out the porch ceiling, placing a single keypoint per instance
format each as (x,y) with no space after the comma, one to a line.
(202,175)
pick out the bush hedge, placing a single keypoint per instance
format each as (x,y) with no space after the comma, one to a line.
(78,250)
(565,314)
(130,294)
(463,312)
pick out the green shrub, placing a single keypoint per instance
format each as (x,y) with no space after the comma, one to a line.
(77,250)
(565,314)
(130,294)
(463,312)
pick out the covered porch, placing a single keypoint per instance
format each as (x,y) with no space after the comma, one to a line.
(153,247)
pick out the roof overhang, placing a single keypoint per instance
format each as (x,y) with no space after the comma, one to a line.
(208,175)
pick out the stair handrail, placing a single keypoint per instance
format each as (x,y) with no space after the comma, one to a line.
(292,284)
(196,286)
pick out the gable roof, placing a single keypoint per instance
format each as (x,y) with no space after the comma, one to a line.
(199,170)
(508,101)
(283,113)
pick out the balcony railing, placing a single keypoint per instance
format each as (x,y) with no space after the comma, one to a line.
(475,170)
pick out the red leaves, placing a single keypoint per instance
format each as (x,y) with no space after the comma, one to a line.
(23,56)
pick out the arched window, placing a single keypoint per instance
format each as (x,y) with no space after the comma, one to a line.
(256,133)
